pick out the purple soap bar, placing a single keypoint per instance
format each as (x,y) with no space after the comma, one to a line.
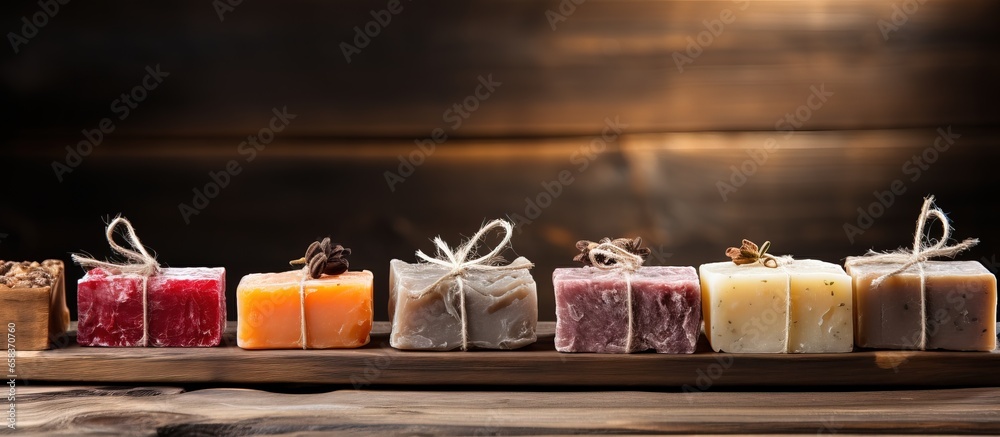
(592,310)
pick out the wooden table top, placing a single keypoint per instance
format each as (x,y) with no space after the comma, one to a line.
(227,411)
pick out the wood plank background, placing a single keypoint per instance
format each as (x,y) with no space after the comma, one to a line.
(659,186)
(608,57)
(226,411)
(325,174)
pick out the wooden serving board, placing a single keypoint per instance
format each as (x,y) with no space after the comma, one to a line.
(537,365)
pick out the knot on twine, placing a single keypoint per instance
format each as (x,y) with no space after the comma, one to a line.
(749,253)
(614,258)
(458,264)
(139,262)
(924,249)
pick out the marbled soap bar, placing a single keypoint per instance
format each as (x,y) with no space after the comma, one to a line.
(338,310)
(961,299)
(501,307)
(592,312)
(747,307)
(33,302)
(186,307)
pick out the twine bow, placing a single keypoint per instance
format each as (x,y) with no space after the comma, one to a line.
(618,258)
(458,263)
(140,262)
(923,250)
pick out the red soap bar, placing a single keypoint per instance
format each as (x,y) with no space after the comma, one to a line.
(186,308)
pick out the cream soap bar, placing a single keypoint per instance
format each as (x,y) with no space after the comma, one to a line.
(747,307)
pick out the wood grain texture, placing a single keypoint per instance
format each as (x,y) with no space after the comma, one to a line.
(607,57)
(662,187)
(168,411)
(536,365)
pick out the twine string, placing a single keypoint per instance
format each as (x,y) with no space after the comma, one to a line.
(608,256)
(139,262)
(302,307)
(924,249)
(458,264)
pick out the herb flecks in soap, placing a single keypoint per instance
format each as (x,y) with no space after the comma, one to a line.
(749,253)
(324,257)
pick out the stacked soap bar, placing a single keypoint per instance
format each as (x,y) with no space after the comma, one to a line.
(960,313)
(338,310)
(33,302)
(592,311)
(501,307)
(747,307)
(186,307)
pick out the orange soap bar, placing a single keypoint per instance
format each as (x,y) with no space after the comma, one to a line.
(338,310)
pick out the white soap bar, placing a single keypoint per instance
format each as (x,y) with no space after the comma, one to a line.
(747,307)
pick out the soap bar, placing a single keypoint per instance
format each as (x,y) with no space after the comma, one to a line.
(338,310)
(961,299)
(592,310)
(747,307)
(186,307)
(501,307)
(33,302)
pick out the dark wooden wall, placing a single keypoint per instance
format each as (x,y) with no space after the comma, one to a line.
(325,173)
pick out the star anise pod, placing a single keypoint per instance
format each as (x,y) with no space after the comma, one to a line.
(323,257)
(631,245)
(749,253)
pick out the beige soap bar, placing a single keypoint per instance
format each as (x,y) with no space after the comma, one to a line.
(961,299)
(747,307)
